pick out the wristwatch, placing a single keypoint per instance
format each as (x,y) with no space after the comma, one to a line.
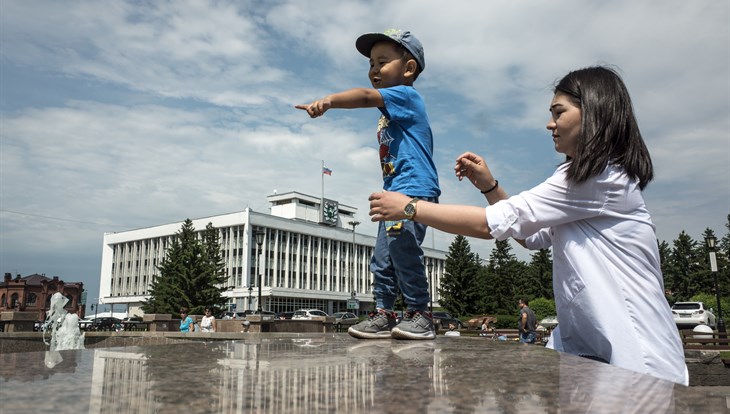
(410,209)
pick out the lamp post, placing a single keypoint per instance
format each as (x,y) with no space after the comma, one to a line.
(710,241)
(259,241)
(354,224)
(430,285)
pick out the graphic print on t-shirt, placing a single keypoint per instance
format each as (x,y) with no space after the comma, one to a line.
(384,139)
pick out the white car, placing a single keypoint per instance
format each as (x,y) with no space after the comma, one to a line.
(692,314)
(308,313)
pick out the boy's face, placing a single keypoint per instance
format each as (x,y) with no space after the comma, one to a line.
(387,67)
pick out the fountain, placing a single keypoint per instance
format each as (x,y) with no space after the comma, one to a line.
(64,328)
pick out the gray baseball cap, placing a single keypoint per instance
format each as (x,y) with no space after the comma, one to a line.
(404,38)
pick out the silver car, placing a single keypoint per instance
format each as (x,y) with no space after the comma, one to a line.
(308,313)
(345,319)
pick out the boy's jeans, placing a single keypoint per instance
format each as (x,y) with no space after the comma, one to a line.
(398,261)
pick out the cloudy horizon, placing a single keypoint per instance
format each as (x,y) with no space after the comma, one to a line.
(127,114)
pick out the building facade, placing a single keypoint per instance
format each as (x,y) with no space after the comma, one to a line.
(310,257)
(33,294)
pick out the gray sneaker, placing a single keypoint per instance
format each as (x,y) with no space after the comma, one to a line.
(415,325)
(377,326)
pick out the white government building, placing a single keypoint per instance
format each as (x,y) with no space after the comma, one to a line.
(310,257)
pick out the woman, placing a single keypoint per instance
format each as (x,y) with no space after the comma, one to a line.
(186,322)
(609,290)
(207,324)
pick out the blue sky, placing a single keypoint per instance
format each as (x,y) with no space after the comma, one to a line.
(121,115)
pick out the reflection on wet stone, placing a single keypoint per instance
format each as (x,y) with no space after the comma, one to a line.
(336,373)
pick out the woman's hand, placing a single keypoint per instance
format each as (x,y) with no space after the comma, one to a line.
(387,205)
(473,167)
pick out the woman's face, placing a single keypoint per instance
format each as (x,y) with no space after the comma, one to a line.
(565,124)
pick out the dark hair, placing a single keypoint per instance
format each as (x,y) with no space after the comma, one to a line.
(524,301)
(609,131)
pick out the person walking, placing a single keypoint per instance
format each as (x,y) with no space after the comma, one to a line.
(527,323)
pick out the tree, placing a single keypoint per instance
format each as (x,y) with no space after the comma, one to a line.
(506,279)
(540,272)
(684,263)
(460,288)
(209,284)
(191,274)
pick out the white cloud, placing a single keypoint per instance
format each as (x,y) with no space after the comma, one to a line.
(151,113)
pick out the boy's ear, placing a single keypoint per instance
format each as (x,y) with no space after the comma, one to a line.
(411,67)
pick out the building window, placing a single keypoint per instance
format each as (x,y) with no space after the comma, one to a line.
(31,299)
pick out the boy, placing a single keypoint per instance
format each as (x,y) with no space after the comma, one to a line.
(406,147)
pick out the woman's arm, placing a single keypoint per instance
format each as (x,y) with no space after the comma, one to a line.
(456,219)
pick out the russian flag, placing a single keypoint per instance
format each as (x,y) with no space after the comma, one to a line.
(326,170)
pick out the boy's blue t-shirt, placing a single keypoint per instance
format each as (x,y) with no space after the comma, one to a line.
(406,144)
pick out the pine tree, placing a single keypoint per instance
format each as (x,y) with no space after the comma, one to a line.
(191,274)
(506,279)
(684,264)
(459,290)
(211,283)
(540,271)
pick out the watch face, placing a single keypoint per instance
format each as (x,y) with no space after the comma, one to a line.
(410,210)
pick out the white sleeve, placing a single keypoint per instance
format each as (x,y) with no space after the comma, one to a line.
(554,202)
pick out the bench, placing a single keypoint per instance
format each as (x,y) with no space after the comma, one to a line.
(704,341)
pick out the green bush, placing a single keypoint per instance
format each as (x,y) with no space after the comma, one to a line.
(542,308)
(506,321)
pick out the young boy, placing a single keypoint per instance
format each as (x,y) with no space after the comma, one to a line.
(406,147)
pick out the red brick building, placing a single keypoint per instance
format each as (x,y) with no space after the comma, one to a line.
(33,294)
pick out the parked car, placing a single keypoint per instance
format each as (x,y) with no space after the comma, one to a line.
(286,315)
(106,323)
(691,314)
(130,323)
(85,323)
(441,320)
(308,313)
(234,315)
(345,319)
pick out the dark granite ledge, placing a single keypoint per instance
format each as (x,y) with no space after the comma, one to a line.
(294,373)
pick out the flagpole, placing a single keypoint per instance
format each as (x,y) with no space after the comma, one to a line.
(321,200)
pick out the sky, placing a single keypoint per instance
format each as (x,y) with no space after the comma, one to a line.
(122,115)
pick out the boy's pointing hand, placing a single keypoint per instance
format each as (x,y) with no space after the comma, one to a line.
(316,108)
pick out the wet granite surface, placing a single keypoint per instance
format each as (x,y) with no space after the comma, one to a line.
(321,373)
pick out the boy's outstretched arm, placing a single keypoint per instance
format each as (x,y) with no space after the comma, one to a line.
(349,99)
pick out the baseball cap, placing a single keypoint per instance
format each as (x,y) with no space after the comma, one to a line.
(403,37)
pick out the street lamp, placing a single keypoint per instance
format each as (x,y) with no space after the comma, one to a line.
(430,284)
(710,241)
(259,241)
(354,224)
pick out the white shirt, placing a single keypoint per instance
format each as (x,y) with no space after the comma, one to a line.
(206,324)
(609,290)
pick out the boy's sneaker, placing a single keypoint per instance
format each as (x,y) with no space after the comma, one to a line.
(415,325)
(377,326)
